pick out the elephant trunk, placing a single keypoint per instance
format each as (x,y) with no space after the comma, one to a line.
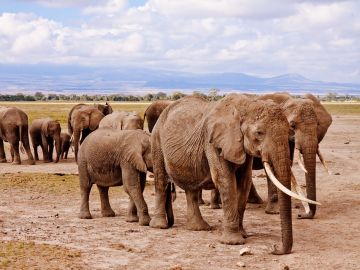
(57,140)
(280,161)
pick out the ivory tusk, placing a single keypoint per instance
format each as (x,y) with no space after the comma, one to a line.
(299,191)
(323,162)
(300,160)
(284,189)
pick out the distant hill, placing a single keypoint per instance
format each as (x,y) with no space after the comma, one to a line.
(106,80)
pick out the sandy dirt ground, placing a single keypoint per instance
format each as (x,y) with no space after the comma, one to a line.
(330,241)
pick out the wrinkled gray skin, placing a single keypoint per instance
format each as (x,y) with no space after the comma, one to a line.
(65,144)
(309,122)
(198,144)
(14,129)
(153,112)
(122,120)
(83,119)
(44,133)
(110,158)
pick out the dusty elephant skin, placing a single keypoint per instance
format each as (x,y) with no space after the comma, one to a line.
(110,158)
(83,119)
(44,133)
(215,145)
(14,129)
(65,144)
(153,112)
(122,120)
(309,122)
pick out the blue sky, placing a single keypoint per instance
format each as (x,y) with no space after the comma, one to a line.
(317,39)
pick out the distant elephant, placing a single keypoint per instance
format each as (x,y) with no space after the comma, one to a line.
(14,129)
(122,120)
(309,122)
(44,133)
(200,144)
(153,112)
(83,119)
(110,158)
(65,144)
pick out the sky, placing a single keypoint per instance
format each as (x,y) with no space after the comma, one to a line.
(317,39)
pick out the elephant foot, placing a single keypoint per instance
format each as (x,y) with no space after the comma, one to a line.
(16,162)
(108,213)
(46,161)
(232,238)
(201,201)
(243,232)
(215,206)
(272,208)
(3,160)
(132,218)
(31,162)
(159,222)
(197,225)
(85,215)
(255,200)
(309,215)
(144,220)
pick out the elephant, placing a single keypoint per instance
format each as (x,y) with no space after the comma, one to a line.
(153,112)
(83,119)
(309,122)
(122,120)
(110,158)
(65,144)
(200,144)
(14,129)
(43,133)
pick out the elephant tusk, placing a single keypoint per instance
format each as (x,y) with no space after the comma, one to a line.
(300,160)
(323,162)
(284,189)
(300,192)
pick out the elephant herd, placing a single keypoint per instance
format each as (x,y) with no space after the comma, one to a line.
(194,144)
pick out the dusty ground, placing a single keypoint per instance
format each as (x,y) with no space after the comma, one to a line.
(39,227)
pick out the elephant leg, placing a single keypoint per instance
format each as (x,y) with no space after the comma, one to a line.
(272,206)
(76,143)
(12,153)
(254,197)
(244,183)
(200,198)
(45,149)
(15,153)
(106,210)
(132,212)
(2,152)
(215,200)
(133,187)
(51,149)
(85,193)
(35,147)
(195,222)
(162,203)
(26,144)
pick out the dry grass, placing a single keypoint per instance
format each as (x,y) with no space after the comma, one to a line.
(29,255)
(343,108)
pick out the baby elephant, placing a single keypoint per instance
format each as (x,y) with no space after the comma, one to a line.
(110,158)
(65,144)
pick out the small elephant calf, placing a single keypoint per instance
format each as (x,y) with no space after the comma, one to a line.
(65,144)
(110,158)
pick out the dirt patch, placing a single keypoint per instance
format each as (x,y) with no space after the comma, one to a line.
(41,208)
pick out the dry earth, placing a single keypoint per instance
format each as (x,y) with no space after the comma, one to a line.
(39,228)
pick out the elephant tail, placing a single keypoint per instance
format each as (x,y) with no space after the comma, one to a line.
(22,149)
(168,204)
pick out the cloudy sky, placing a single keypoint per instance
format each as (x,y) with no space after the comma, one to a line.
(318,39)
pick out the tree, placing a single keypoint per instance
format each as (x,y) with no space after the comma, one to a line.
(177,95)
(39,95)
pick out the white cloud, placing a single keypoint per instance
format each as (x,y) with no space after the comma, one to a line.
(65,3)
(320,40)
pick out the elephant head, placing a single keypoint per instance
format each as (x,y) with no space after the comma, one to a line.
(51,128)
(238,126)
(105,109)
(308,122)
(132,121)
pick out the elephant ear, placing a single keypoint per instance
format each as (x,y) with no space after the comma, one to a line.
(94,119)
(45,128)
(224,131)
(132,151)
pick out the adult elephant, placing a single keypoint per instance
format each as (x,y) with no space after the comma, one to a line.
(83,119)
(153,112)
(309,122)
(44,133)
(122,120)
(198,144)
(14,129)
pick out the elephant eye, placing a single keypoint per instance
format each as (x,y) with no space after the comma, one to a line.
(259,134)
(292,125)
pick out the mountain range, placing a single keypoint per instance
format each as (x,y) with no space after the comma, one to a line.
(94,80)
